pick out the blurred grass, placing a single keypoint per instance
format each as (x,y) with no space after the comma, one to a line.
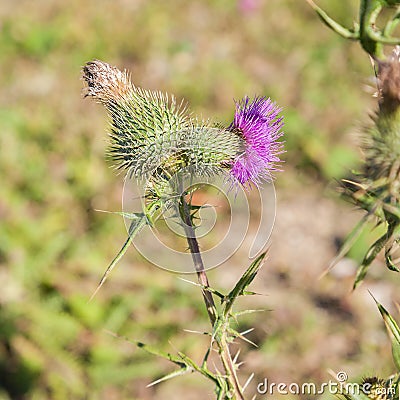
(54,246)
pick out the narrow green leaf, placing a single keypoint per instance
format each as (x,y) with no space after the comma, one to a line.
(373,251)
(393,331)
(135,227)
(168,356)
(243,283)
(123,214)
(349,241)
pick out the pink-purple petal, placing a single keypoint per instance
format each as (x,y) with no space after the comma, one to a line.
(260,125)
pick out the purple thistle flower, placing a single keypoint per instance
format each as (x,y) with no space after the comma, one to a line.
(259,124)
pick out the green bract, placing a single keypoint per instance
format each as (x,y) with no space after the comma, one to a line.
(153,136)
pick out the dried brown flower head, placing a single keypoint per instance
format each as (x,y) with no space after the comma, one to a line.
(105,82)
(389,82)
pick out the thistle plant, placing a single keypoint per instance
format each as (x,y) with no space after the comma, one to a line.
(375,189)
(158,142)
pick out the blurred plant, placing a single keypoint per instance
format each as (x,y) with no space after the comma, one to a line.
(366,31)
(158,141)
(379,388)
(375,189)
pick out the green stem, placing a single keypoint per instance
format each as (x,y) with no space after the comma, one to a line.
(229,366)
(370,37)
(331,23)
(369,11)
(220,338)
(197,261)
(391,25)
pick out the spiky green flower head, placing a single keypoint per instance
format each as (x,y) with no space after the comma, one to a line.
(153,137)
(381,174)
(382,145)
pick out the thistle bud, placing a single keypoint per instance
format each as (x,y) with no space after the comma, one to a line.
(152,136)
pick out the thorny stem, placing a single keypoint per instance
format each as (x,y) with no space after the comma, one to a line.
(221,340)
(370,40)
(229,366)
(197,261)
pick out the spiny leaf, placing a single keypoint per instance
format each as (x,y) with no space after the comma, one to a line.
(135,227)
(393,330)
(243,283)
(373,251)
(349,241)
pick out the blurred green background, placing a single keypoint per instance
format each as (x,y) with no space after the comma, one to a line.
(54,247)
